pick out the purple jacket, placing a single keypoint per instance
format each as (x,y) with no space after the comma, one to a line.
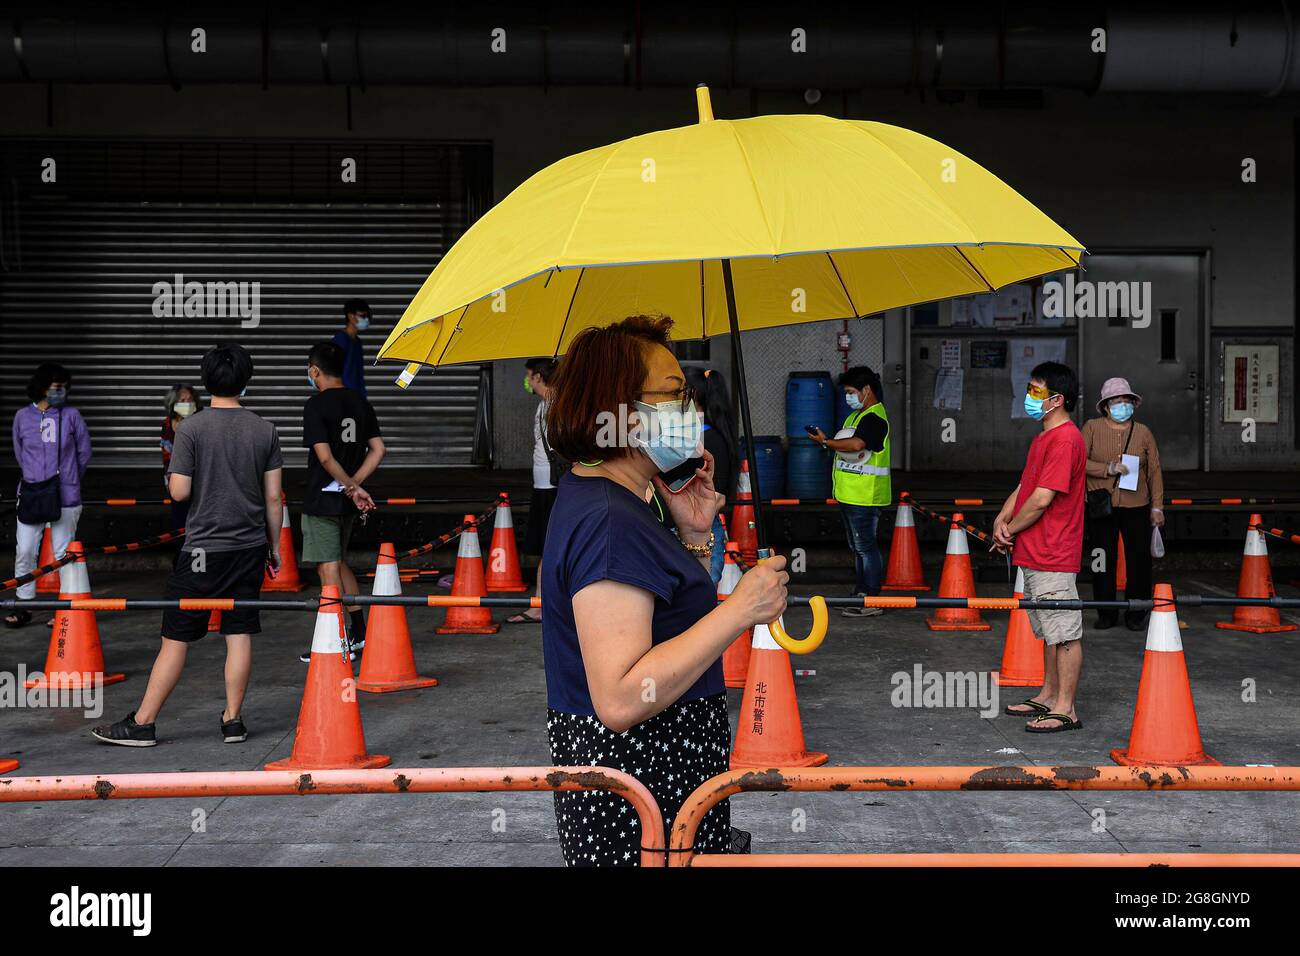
(36,456)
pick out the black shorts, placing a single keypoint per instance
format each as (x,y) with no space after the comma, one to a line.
(539,515)
(226,574)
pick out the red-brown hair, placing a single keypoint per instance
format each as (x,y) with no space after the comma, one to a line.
(602,371)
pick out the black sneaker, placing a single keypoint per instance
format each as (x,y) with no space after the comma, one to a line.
(126,733)
(234,731)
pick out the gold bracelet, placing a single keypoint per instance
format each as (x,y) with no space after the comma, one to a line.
(699,550)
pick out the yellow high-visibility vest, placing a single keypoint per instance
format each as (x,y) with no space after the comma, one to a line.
(862,477)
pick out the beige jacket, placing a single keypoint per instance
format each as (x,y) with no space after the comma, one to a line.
(1104,444)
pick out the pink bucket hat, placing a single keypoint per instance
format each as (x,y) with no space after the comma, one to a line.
(1113,388)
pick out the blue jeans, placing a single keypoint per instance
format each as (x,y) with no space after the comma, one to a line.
(719,556)
(860,529)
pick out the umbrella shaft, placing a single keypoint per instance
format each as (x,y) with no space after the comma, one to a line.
(738,357)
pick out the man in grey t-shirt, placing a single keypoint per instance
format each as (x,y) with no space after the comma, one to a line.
(226,461)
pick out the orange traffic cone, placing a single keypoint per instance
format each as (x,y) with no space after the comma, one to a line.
(1256,581)
(742,530)
(957,581)
(76,657)
(329,736)
(1121,565)
(389,662)
(769,732)
(8,765)
(214,622)
(904,572)
(735,659)
(1164,724)
(1022,655)
(467,581)
(47,583)
(287,579)
(503,561)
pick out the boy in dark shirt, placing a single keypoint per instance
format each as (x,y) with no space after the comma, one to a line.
(341,434)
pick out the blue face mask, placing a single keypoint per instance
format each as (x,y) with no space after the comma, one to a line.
(1034,408)
(668,436)
(1121,411)
(363,322)
(56,397)
(854,400)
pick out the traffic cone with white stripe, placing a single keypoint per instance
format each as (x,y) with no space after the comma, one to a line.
(76,656)
(329,735)
(503,572)
(388,662)
(769,732)
(467,581)
(1165,730)
(1256,581)
(1022,655)
(47,583)
(735,659)
(742,529)
(8,765)
(957,582)
(904,571)
(287,578)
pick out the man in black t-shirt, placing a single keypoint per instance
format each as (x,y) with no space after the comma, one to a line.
(341,434)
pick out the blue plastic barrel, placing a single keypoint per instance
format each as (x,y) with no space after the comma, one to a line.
(809,400)
(770,465)
(807,470)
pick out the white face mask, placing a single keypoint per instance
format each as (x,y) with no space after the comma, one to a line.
(668,435)
(184,409)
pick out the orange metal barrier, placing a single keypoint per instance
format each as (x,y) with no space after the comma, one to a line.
(802,779)
(267,783)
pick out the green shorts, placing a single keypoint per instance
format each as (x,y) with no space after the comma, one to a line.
(325,537)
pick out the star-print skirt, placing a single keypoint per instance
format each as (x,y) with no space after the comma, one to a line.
(672,753)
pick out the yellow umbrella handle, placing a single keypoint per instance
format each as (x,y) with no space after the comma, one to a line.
(815,636)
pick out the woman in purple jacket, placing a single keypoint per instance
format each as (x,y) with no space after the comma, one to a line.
(50,437)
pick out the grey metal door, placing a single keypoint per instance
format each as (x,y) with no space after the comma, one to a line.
(1156,345)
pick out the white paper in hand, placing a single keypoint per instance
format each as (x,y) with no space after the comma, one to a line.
(1129,482)
(333,486)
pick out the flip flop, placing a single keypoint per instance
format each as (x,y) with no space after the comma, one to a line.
(1036,709)
(1066,724)
(523,619)
(21,618)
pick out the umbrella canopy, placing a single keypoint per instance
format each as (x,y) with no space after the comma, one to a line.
(820,218)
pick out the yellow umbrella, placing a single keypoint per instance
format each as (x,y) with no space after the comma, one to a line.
(727,225)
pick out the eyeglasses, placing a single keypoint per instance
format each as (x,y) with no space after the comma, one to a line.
(1040,392)
(685,395)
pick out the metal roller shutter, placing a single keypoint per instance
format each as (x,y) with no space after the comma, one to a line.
(81,259)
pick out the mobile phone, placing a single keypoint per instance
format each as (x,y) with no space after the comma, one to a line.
(811,429)
(682,475)
(272,568)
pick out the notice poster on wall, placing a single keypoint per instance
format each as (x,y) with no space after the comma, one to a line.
(1250,383)
(1025,354)
(948,384)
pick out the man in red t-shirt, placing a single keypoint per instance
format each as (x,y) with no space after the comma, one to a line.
(1041,525)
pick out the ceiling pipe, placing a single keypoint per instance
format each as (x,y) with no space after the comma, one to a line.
(1246,47)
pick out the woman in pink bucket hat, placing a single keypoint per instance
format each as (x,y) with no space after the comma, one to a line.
(1115,512)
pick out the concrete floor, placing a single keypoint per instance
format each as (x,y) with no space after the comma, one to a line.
(489,711)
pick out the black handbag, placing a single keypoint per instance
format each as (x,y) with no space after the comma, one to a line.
(40,502)
(1098,505)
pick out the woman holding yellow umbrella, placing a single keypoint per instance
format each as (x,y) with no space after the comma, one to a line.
(724,225)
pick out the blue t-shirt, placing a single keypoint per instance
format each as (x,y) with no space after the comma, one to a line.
(600,531)
(354,362)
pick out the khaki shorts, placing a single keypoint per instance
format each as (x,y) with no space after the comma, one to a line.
(325,537)
(1054,627)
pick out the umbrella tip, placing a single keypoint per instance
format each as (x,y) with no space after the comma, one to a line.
(703,102)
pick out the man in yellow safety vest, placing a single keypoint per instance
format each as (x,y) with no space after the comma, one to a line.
(861,477)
